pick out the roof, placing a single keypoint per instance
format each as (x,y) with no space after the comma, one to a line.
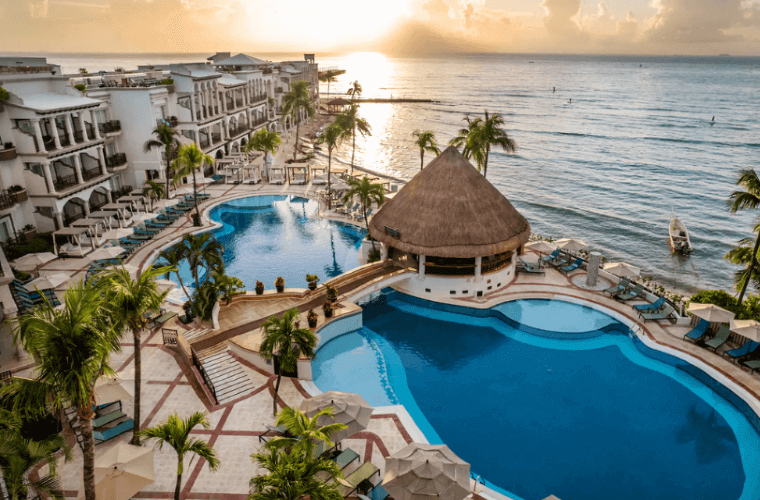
(229,81)
(339,102)
(289,68)
(241,60)
(49,101)
(450,210)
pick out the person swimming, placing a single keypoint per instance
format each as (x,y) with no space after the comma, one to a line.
(570,101)
(712,122)
(554,89)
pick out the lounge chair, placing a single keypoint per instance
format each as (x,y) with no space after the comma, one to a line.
(720,338)
(752,364)
(272,431)
(108,434)
(698,332)
(748,348)
(572,267)
(628,294)
(666,312)
(552,256)
(163,319)
(378,493)
(346,457)
(526,267)
(106,419)
(363,473)
(624,282)
(653,307)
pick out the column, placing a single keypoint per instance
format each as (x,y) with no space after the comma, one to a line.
(86,207)
(49,178)
(38,135)
(70,128)
(192,106)
(81,125)
(478,266)
(78,168)
(94,124)
(594,261)
(59,218)
(422,265)
(209,93)
(109,197)
(383,251)
(246,97)
(222,105)
(102,161)
(54,127)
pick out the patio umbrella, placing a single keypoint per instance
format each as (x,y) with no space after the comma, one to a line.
(350,409)
(107,253)
(32,261)
(622,269)
(571,244)
(164,285)
(183,191)
(711,313)
(322,179)
(123,471)
(144,217)
(108,390)
(426,472)
(541,246)
(746,328)
(48,282)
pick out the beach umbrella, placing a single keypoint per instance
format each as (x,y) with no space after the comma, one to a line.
(350,409)
(183,191)
(622,269)
(115,234)
(166,203)
(143,217)
(108,390)
(746,328)
(711,313)
(32,261)
(123,471)
(426,472)
(48,282)
(572,244)
(541,246)
(322,179)
(107,253)
(164,285)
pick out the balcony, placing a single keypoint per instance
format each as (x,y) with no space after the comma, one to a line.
(172,121)
(215,137)
(8,152)
(67,181)
(110,127)
(204,143)
(7,200)
(239,102)
(79,137)
(90,174)
(237,131)
(260,121)
(116,160)
(278,90)
(64,140)
(259,98)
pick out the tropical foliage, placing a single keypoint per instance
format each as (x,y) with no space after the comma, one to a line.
(166,138)
(425,141)
(173,257)
(355,90)
(306,431)
(17,457)
(285,343)
(190,159)
(291,475)
(465,136)
(331,137)
(749,199)
(153,190)
(175,432)
(367,193)
(351,124)
(296,101)
(201,251)
(480,136)
(748,309)
(266,141)
(328,77)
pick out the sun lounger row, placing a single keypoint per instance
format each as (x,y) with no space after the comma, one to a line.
(746,354)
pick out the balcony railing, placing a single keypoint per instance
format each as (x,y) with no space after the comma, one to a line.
(90,174)
(278,90)
(64,140)
(110,127)
(259,98)
(118,193)
(7,200)
(204,143)
(260,121)
(116,160)
(239,102)
(236,131)
(79,136)
(172,122)
(7,152)
(64,182)
(215,137)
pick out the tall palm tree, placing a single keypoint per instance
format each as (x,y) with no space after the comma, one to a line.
(426,142)
(266,141)
(176,433)
(355,90)
(285,342)
(367,193)
(291,475)
(71,348)
(296,100)
(331,137)
(129,302)
(307,431)
(202,250)
(490,133)
(190,159)
(174,256)
(747,200)
(153,189)
(327,77)
(351,123)
(19,455)
(166,137)
(464,139)
(742,255)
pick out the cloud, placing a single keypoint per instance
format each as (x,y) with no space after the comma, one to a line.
(436,10)
(700,21)
(561,16)
(39,9)
(628,28)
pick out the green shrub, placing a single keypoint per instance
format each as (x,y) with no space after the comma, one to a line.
(40,243)
(749,309)
(167,81)
(21,275)
(80,87)
(373,255)
(4,95)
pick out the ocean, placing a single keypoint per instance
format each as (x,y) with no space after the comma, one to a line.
(636,142)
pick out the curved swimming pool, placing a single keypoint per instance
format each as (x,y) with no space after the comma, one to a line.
(279,235)
(549,397)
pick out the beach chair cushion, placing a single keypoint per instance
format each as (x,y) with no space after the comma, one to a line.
(720,338)
(657,316)
(346,457)
(102,437)
(551,257)
(748,348)
(363,473)
(699,331)
(572,267)
(656,305)
(752,364)
(107,419)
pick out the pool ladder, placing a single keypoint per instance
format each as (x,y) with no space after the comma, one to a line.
(478,480)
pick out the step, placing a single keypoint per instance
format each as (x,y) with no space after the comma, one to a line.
(228,376)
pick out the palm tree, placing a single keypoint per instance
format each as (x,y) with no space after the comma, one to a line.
(331,137)
(350,121)
(153,189)
(306,430)
(19,455)
(263,140)
(296,100)
(190,159)
(742,255)
(355,90)
(328,77)
(489,132)
(176,433)
(174,256)
(426,142)
(747,200)
(291,475)
(71,348)
(129,302)
(464,139)
(166,137)
(286,343)
(367,194)
(202,250)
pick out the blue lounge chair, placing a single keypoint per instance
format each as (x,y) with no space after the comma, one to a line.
(572,267)
(720,338)
(529,268)
(621,286)
(108,434)
(377,493)
(653,307)
(666,312)
(752,364)
(551,257)
(748,348)
(698,332)
(363,473)
(346,457)
(272,431)
(628,294)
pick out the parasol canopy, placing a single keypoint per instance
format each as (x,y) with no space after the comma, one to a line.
(711,313)
(348,408)
(426,472)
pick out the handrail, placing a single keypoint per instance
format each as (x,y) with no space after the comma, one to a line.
(204,375)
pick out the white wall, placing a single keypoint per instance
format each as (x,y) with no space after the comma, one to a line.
(464,286)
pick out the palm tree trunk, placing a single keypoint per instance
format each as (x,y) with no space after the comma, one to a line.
(353,150)
(422,159)
(168,169)
(179,278)
(295,148)
(329,164)
(195,276)
(138,371)
(366,224)
(485,163)
(752,265)
(276,390)
(88,452)
(195,199)
(179,486)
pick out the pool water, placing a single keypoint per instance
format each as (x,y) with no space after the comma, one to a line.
(280,235)
(590,415)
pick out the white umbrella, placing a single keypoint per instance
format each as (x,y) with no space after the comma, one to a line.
(109,390)
(541,246)
(166,203)
(350,409)
(107,253)
(144,217)
(32,261)
(164,285)
(571,244)
(426,472)
(123,471)
(711,313)
(322,179)
(622,269)
(48,282)
(183,191)
(746,328)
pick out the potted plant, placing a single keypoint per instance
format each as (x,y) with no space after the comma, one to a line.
(19,192)
(327,308)
(279,283)
(259,288)
(312,318)
(312,280)
(29,232)
(332,293)
(4,96)
(7,145)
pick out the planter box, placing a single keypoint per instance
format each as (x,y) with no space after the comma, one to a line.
(8,154)
(29,235)
(22,196)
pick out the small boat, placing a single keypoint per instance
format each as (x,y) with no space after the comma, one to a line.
(678,236)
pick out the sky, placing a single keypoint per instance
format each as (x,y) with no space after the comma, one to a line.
(406,27)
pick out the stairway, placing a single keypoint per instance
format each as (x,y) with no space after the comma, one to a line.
(229,378)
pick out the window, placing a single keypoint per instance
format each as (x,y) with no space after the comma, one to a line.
(25,126)
(99,116)
(5,232)
(110,149)
(35,168)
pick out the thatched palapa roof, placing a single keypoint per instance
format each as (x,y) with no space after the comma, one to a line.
(339,102)
(450,210)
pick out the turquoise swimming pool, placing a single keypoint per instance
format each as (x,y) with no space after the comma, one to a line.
(549,397)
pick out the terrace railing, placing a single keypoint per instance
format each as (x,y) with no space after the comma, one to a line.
(116,160)
(170,336)
(110,127)
(197,363)
(90,174)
